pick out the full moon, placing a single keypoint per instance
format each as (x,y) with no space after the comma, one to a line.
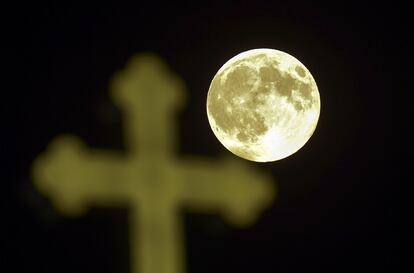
(263,105)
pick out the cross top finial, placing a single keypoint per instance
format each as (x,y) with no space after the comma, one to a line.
(149,94)
(147,77)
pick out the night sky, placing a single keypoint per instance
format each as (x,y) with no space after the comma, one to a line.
(337,208)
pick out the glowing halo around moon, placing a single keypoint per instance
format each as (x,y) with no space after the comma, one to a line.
(263,105)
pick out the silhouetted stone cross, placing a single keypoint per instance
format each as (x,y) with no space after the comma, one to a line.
(152,182)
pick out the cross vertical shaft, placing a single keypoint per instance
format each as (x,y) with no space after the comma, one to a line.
(158,242)
(149,105)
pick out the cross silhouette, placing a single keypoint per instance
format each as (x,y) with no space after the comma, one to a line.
(149,179)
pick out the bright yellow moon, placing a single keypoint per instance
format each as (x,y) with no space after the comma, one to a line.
(263,105)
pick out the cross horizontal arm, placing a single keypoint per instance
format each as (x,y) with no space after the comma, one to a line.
(228,186)
(75,178)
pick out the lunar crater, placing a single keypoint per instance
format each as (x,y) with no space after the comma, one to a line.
(301,72)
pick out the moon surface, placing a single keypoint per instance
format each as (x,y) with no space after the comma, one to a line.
(263,105)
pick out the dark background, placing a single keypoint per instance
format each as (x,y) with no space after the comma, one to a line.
(337,209)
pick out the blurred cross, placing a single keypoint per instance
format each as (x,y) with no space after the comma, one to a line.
(149,180)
